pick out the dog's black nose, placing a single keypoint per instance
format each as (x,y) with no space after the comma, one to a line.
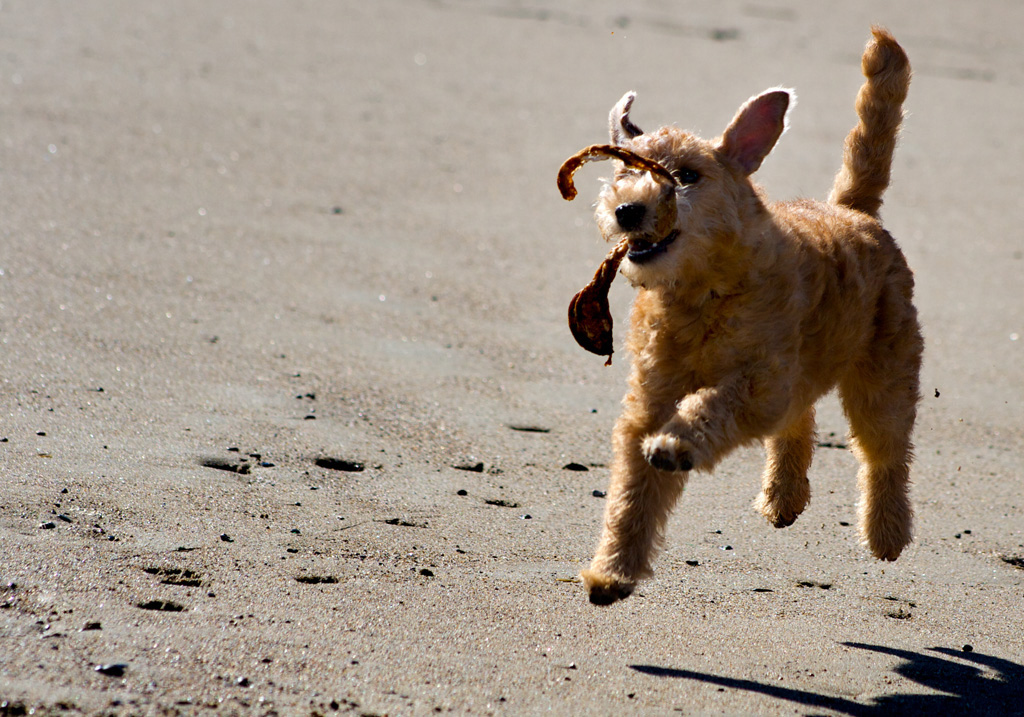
(630,216)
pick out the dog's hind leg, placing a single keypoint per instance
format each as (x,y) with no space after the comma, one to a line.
(881,439)
(880,398)
(785,490)
(639,501)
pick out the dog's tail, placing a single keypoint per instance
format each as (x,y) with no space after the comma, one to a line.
(867,155)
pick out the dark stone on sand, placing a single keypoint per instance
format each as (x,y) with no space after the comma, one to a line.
(832,444)
(501,503)
(114,669)
(317,579)
(575,467)
(340,464)
(161,605)
(403,523)
(528,428)
(223,464)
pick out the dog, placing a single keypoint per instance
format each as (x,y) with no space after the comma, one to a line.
(748,311)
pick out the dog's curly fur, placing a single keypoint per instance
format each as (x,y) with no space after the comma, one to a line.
(747,312)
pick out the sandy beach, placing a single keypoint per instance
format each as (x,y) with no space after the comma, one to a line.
(291,422)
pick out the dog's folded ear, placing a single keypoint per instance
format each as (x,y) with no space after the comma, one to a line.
(619,124)
(755,129)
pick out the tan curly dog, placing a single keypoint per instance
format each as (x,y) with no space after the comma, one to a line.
(747,311)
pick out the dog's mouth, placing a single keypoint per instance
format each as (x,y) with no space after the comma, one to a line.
(642,251)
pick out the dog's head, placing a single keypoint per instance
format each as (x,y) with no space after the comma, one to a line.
(673,230)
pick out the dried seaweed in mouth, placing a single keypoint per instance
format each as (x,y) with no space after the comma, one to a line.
(597,152)
(590,318)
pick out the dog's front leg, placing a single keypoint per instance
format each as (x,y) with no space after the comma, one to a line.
(712,421)
(640,498)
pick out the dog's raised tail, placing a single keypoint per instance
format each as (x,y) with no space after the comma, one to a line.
(867,156)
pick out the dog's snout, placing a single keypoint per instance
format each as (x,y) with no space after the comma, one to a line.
(630,216)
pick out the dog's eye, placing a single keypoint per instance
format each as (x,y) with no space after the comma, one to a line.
(685,175)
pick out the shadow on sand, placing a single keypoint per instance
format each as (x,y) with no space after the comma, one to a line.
(966,688)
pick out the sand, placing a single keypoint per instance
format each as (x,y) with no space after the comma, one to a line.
(292,422)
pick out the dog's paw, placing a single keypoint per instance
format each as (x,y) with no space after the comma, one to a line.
(782,508)
(887,542)
(668,453)
(777,516)
(605,590)
(782,520)
(886,527)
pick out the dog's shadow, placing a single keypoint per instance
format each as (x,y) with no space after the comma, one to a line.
(966,688)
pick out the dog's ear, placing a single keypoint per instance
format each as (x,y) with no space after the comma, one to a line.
(619,125)
(755,129)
